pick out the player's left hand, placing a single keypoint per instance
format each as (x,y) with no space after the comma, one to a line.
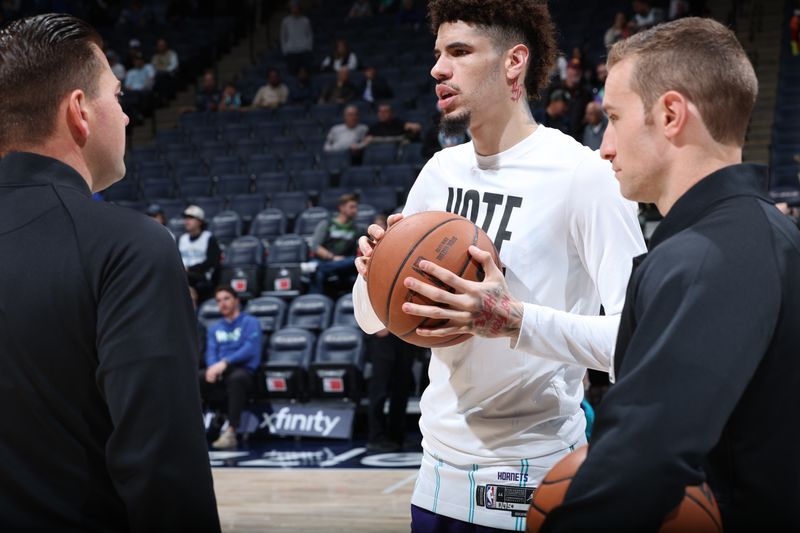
(484,308)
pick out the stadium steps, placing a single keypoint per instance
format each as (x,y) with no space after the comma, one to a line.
(226,69)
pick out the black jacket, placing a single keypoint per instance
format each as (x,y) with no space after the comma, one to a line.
(101,426)
(708,371)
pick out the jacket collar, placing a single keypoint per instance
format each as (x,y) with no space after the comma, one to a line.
(728,182)
(25,168)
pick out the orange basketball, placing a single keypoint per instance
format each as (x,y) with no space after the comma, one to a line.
(697,512)
(442,238)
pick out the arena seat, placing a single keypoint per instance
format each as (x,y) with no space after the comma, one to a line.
(270,312)
(226,226)
(208,314)
(242,264)
(283,275)
(336,370)
(284,373)
(310,311)
(343,311)
(307,221)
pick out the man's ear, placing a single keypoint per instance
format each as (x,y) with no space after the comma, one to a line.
(78,116)
(673,113)
(516,62)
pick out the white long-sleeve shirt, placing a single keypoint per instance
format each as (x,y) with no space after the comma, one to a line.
(566,238)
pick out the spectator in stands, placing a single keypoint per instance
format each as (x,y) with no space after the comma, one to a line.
(360,9)
(207,97)
(392,129)
(297,38)
(618,31)
(374,87)
(231,98)
(555,115)
(134,49)
(233,353)
(274,94)
(155,212)
(678,9)
(599,82)
(199,251)
(141,77)
(794,32)
(645,16)
(302,91)
(341,56)
(580,94)
(384,6)
(116,67)
(347,136)
(165,59)
(595,127)
(165,63)
(410,15)
(392,359)
(335,243)
(341,90)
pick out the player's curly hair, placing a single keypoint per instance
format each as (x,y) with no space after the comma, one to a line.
(508,23)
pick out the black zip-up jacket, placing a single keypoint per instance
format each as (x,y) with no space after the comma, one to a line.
(708,371)
(101,427)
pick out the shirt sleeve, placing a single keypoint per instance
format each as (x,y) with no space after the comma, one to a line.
(604,231)
(705,317)
(157,455)
(365,316)
(251,344)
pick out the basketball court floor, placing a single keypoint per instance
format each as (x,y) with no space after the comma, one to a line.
(313,485)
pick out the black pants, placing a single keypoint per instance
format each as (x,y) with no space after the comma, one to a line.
(392,360)
(236,386)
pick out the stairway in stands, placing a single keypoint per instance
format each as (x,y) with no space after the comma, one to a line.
(759,26)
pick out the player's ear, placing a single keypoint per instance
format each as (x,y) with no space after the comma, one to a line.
(516,61)
(77,116)
(673,109)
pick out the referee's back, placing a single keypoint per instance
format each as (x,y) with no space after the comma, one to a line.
(101,427)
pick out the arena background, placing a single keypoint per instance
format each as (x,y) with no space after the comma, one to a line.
(264,180)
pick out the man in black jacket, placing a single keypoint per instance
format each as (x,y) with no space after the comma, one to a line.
(102,427)
(708,351)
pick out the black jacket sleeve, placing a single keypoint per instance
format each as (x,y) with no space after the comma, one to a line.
(704,316)
(147,343)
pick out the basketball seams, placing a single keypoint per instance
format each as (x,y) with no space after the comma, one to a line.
(705,510)
(405,260)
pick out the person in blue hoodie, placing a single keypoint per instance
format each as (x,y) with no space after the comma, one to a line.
(233,352)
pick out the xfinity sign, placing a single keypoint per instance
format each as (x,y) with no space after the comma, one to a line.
(307,420)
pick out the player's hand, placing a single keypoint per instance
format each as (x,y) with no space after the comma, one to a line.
(484,308)
(367,243)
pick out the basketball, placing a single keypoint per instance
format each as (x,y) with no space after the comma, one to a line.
(697,512)
(439,237)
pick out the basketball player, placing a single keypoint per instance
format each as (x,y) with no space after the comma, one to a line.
(707,358)
(101,427)
(504,406)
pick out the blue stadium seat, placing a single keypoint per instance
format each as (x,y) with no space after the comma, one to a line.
(209,314)
(380,154)
(291,202)
(329,198)
(256,164)
(310,311)
(247,205)
(271,182)
(188,167)
(246,148)
(270,312)
(307,220)
(268,224)
(336,370)
(343,312)
(210,205)
(297,162)
(382,198)
(158,188)
(175,152)
(152,169)
(202,135)
(229,164)
(232,184)
(335,162)
(283,274)
(241,268)
(366,214)
(400,176)
(267,130)
(311,181)
(284,373)
(123,190)
(234,133)
(226,226)
(195,186)
(359,177)
(411,154)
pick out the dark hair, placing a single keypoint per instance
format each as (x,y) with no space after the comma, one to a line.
(42,59)
(226,288)
(345,198)
(507,23)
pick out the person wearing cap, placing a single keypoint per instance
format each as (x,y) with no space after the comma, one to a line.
(200,252)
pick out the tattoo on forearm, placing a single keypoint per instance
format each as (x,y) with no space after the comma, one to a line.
(496,316)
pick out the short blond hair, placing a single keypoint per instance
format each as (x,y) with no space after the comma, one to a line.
(701,59)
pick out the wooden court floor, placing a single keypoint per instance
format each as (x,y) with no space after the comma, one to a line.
(314,500)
